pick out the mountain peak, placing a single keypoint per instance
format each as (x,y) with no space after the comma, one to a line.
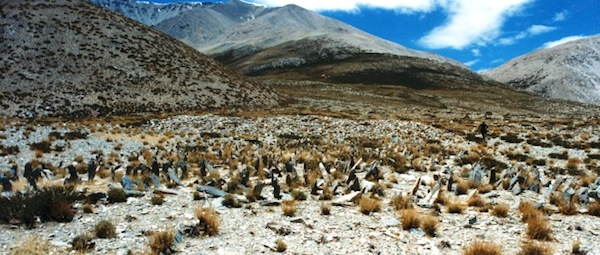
(568,71)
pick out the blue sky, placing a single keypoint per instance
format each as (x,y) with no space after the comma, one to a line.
(482,34)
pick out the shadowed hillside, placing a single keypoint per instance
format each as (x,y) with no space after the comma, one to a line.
(73,58)
(294,43)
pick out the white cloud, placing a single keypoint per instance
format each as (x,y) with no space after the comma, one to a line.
(469,22)
(561,16)
(353,5)
(472,62)
(476,52)
(531,31)
(540,29)
(562,41)
(472,22)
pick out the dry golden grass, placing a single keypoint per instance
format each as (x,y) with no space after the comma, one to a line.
(400,202)
(429,225)
(567,208)
(482,248)
(485,188)
(594,209)
(105,229)
(368,205)
(103,173)
(82,243)
(539,229)
(500,210)
(533,248)
(325,208)
(588,179)
(576,248)
(161,242)
(410,219)
(289,207)
(21,185)
(556,199)
(157,199)
(455,207)
(87,208)
(528,211)
(462,187)
(476,201)
(442,198)
(31,245)
(573,163)
(280,245)
(209,221)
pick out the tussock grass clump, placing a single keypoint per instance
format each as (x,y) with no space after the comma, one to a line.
(280,245)
(87,208)
(197,196)
(528,211)
(157,199)
(594,209)
(410,219)
(52,203)
(44,146)
(327,194)
(209,221)
(567,208)
(298,195)
(429,225)
(83,243)
(462,187)
(500,210)
(105,229)
(369,205)
(476,201)
(161,242)
(483,189)
(573,163)
(400,202)
(325,208)
(455,207)
(32,245)
(482,248)
(230,201)
(531,248)
(289,207)
(511,138)
(576,248)
(62,211)
(538,229)
(442,198)
(117,196)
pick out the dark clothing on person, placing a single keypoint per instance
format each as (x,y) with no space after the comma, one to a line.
(483,128)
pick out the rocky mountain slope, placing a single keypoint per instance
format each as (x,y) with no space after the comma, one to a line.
(293,43)
(73,58)
(569,71)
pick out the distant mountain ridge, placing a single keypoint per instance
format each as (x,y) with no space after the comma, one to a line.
(215,28)
(569,71)
(288,42)
(72,58)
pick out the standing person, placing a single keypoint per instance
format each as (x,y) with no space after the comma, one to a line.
(483,128)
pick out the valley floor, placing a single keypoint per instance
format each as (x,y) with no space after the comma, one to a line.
(413,147)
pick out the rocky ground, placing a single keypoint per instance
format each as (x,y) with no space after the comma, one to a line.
(412,155)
